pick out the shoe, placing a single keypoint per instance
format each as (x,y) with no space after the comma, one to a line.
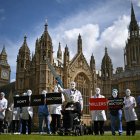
(113,133)
(50,133)
(120,133)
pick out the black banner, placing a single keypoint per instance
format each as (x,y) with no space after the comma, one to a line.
(36,100)
(21,101)
(115,103)
(53,98)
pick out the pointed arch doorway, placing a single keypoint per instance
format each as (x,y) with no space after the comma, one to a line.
(83,85)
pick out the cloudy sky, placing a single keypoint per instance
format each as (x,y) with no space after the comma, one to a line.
(100,22)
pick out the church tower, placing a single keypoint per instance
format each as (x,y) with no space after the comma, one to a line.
(4,68)
(106,74)
(132,48)
(23,68)
(43,53)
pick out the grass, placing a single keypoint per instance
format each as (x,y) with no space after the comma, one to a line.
(107,136)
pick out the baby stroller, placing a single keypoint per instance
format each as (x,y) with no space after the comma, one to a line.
(72,120)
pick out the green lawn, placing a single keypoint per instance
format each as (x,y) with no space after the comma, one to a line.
(107,136)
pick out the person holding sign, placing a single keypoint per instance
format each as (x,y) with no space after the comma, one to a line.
(129,112)
(115,112)
(98,116)
(3,107)
(15,117)
(55,111)
(44,114)
(26,117)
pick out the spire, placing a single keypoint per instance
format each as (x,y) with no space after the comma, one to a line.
(92,62)
(36,44)
(66,55)
(3,52)
(79,44)
(45,38)
(133,27)
(46,27)
(132,13)
(24,47)
(59,52)
(66,48)
(25,38)
(3,56)
(106,66)
(106,51)
(131,54)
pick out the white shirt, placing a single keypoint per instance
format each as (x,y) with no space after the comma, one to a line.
(3,106)
(78,96)
(129,110)
(98,115)
(15,112)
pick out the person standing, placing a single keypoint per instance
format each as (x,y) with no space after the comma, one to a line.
(55,111)
(129,112)
(15,117)
(115,115)
(44,115)
(98,116)
(26,116)
(3,107)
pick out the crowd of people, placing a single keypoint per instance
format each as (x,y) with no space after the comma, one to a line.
(129,104)
(58,116)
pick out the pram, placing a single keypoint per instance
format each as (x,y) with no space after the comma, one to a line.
(72,120)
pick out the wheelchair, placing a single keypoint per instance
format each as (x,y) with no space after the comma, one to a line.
(71,114)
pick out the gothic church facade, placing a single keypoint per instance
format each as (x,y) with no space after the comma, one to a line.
(33,73)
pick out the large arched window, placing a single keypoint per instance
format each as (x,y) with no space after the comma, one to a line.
(84,87)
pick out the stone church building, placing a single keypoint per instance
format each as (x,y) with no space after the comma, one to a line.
(32,71)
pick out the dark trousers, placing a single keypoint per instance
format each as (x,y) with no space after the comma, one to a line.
(1,126)
(15,126)
(130,128)
(98,127)
(68,120)
(56,122)
(26,124)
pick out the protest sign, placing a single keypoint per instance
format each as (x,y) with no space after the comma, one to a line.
(115,103)
(21,101)
(53,98)
(98,104)
(37,100)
